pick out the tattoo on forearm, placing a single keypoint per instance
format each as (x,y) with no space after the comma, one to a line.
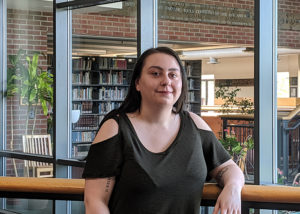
(220,174)
(108,184)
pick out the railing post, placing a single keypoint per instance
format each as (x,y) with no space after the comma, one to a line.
(224,127)
(285,147)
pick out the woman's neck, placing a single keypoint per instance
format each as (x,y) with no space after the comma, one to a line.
(161,116)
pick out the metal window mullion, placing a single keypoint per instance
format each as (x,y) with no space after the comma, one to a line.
(265,133)
(146,25)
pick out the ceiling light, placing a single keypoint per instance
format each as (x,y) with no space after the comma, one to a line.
(213,60)
(215,53)
(116,5)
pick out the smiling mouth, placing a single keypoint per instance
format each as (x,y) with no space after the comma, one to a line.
(165,92)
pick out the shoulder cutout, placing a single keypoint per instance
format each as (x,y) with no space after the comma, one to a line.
(108,129)
(199,122)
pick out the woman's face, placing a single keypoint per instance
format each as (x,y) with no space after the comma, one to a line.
(160,82)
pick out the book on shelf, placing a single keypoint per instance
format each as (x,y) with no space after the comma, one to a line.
(83,136)
(84,107)
(87,122)
(81,150)
(100,84)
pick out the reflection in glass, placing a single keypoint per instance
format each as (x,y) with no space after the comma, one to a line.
(103,56)
(219,35)
(288,62)
(29,76)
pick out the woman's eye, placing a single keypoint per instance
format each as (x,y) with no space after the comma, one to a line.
(173,75)
(155,74)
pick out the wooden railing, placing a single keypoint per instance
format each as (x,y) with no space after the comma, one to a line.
(253,196)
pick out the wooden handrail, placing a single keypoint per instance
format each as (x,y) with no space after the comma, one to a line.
(42,185)
(251,193)
(292,114)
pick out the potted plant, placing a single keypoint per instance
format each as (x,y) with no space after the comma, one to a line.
(245,106)
(238,150)
(36,87)
(32,85)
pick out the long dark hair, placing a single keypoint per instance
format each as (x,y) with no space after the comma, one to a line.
(133,99)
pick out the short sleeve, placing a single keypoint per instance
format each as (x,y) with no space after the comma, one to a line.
(213,150)
(104,159)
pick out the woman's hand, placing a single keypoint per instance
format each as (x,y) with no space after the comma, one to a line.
(231,178)
(229,200)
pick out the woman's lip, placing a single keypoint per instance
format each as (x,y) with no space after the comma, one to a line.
(165,92)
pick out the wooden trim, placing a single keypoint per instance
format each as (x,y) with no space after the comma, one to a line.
(259,193)
(42,185)
(254,193)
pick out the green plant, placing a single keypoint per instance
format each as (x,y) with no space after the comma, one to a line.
(245,106)
(12,89)
(281,179)
(35,87)
(237,149)
(30,82)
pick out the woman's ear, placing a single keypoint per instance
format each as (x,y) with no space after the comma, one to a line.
(137,85)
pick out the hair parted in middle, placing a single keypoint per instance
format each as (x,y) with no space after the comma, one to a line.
(133,99)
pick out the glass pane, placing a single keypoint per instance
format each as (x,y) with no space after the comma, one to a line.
(218,38)
(29,79)
(288,67)
(28,205)
(104,52)
(210,93)
(203,92)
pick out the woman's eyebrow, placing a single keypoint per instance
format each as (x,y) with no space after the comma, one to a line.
(160,68)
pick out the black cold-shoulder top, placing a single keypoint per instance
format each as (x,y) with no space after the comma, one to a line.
(169,182)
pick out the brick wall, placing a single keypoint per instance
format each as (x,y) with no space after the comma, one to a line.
(288,38)
(121,26)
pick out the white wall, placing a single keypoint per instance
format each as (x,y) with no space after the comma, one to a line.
(243,67)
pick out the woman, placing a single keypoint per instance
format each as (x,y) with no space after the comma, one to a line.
(151,156)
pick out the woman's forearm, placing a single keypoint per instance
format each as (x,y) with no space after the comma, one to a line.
(95,207)
(231,174)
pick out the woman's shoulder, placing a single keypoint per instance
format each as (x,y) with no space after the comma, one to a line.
(199,122)
(108,129)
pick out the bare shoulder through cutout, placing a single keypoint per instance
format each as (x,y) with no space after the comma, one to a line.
(199,122)
(108,129)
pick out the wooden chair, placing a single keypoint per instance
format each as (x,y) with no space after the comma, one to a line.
(41,145)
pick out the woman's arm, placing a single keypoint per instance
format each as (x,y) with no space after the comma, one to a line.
(97,191)
(230,177)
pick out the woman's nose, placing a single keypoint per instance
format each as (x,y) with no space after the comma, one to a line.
(165,80)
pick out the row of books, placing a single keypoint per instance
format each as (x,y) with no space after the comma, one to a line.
(191,96)
(96,63)
(107,107)
(84,107)
(104,93)
(83,136)
(112,93)
(81,78)
(101,77)
(95,107)
(87,122)
(80,151)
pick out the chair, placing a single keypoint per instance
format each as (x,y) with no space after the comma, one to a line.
(41,145)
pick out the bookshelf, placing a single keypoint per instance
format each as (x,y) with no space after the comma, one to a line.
(193,70)
(99,85)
